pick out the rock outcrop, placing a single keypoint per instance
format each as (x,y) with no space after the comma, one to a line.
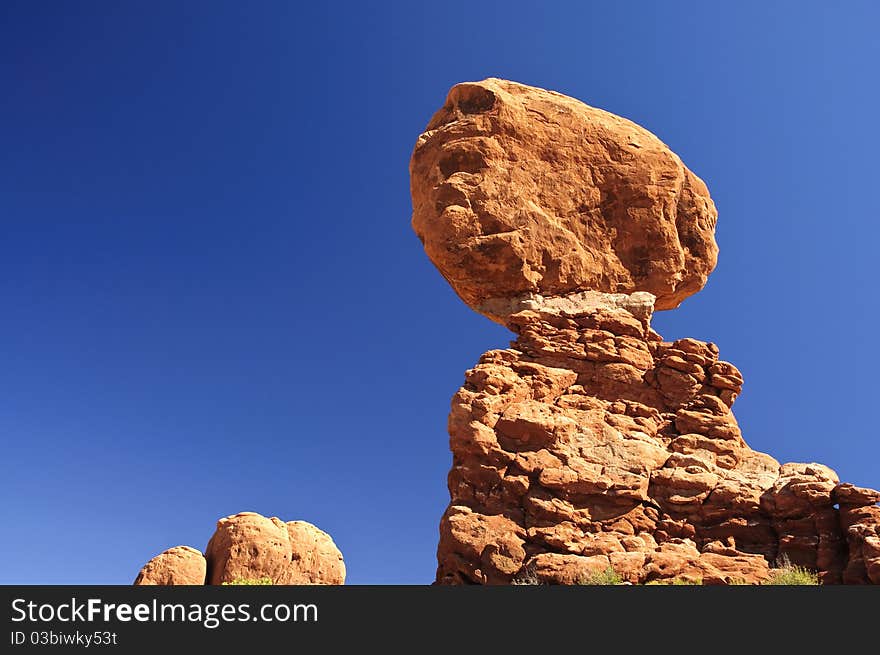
(591,442)
(180,565)
(248,546)
(519,192)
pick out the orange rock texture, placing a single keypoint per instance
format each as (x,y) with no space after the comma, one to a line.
(180,565)
(591,442)
(248,546)
(519,191)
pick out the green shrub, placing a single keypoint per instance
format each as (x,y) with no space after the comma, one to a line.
(249,581)
(792,575)
(607,577)
(786,573)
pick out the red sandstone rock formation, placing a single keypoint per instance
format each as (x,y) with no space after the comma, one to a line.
(519,191)
(591,442)
(180,565)
(251,547)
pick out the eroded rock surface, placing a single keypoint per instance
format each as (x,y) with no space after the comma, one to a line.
(180,565)
(592,443)
(518,192)
(249,546)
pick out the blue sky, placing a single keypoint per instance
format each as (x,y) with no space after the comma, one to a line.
(212,300)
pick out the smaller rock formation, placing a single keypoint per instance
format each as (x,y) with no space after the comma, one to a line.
(180,565)
(250,546)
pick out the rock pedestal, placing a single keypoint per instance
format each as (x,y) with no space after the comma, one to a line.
(592,443)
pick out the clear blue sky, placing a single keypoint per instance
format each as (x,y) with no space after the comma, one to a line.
(212,300)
